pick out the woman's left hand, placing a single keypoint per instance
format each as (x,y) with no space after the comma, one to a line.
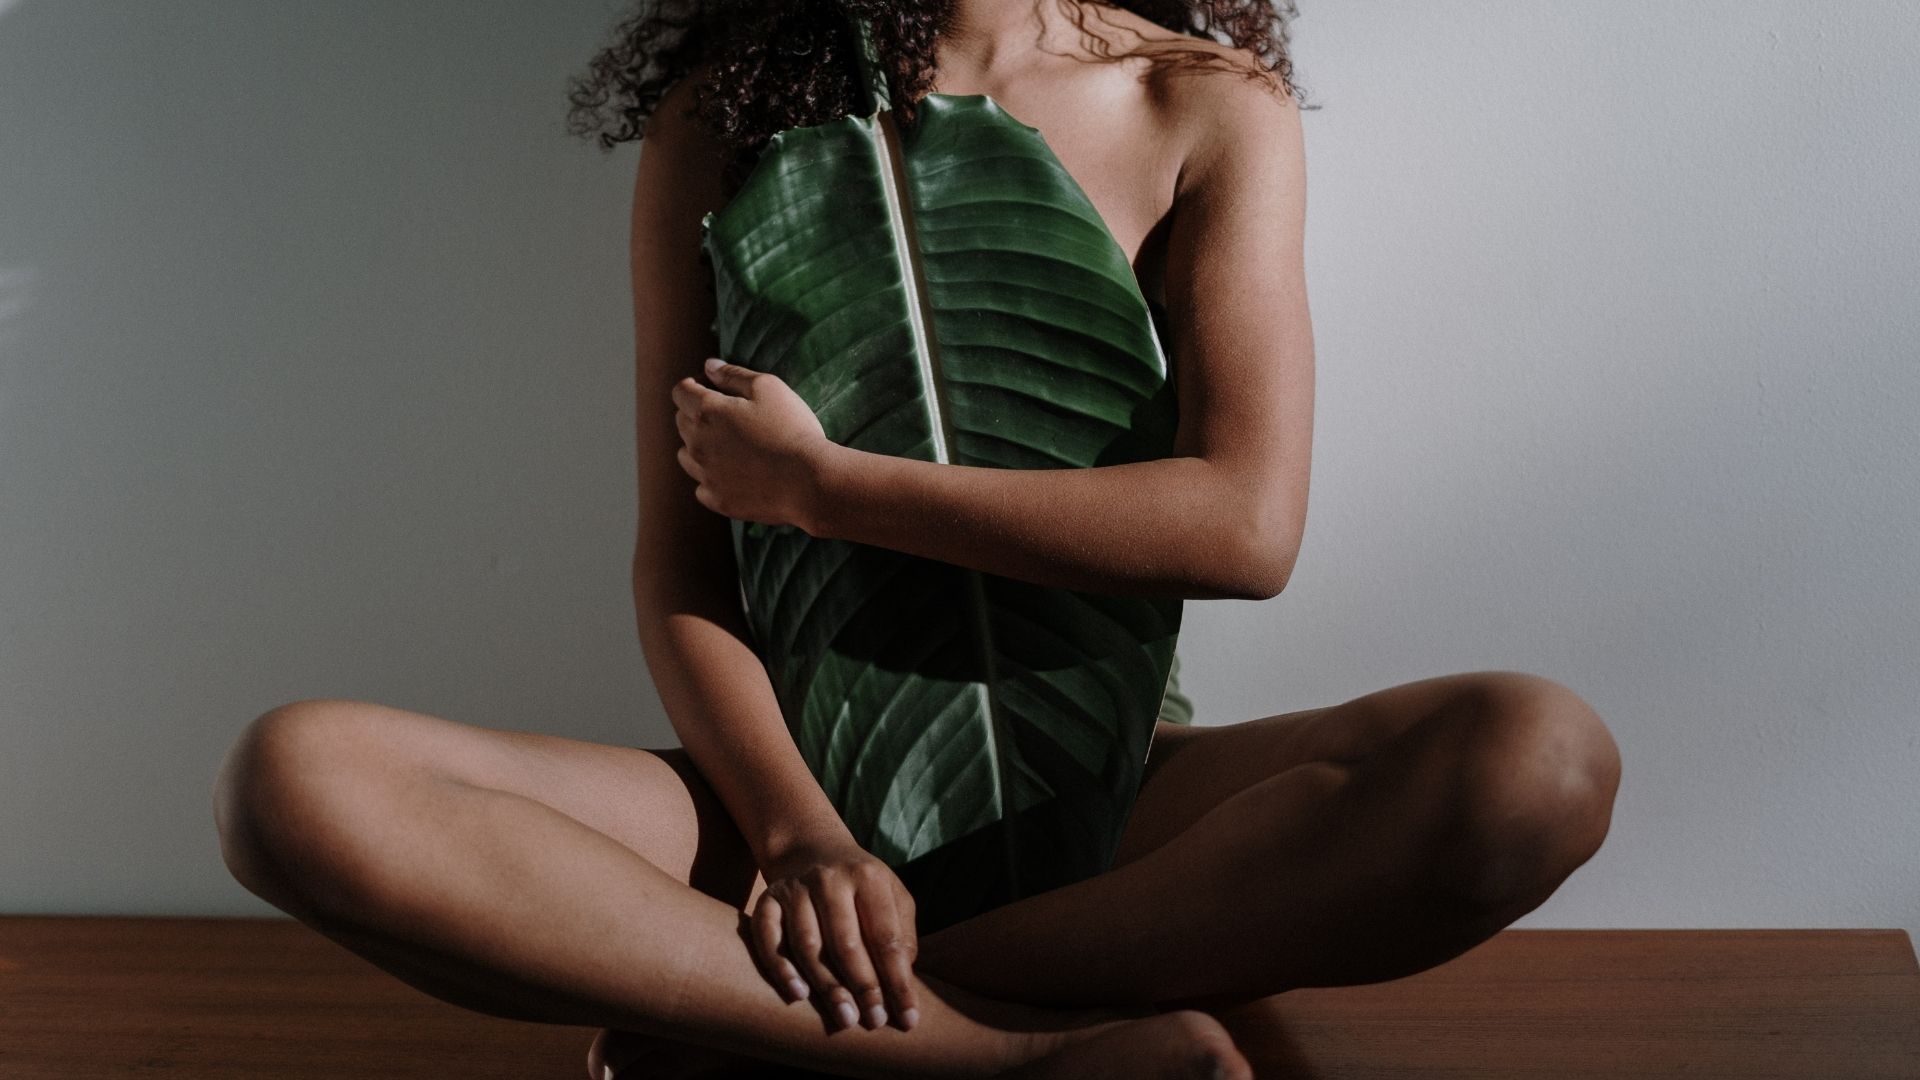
(753,446)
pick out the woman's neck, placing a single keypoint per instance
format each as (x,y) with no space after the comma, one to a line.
(987,37)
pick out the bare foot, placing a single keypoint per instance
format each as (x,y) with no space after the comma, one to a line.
(1121,1042)
(1185,1044)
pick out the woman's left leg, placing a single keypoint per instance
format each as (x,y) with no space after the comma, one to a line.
(1352,843)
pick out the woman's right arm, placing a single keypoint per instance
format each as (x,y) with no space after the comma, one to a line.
(835,902)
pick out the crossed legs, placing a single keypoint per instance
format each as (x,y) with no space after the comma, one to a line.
(556,880)
(1333,846)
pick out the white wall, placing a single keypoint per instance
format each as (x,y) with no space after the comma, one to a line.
(314,381)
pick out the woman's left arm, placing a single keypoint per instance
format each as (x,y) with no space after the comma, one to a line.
(1220,518)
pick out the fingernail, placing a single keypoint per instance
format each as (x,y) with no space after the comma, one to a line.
(798,988)
(910,1016)
(877,1015)
(714,362)
(849,1016)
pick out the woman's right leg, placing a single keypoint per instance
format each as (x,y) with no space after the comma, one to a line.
(548,879)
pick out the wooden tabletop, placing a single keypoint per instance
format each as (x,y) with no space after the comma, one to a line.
(212,999)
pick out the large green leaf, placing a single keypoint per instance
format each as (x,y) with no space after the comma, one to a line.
(947,292)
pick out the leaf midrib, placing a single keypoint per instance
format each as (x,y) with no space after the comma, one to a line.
(893,185)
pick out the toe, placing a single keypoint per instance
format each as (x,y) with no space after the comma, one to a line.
(597,1056)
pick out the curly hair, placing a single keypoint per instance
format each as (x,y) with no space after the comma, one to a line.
(765,67)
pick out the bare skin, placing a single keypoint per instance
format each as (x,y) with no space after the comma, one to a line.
(671,895)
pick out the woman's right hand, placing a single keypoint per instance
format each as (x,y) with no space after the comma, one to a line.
(837,924)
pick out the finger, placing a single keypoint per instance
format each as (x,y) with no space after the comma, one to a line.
(846,951)
(686,425)
(685,457)
(892,944)
(688,394)
(767,934)
(803,945)
(731,377)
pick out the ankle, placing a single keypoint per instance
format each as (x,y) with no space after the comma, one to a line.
(1068,1026)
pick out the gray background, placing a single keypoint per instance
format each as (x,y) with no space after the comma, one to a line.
(315,381)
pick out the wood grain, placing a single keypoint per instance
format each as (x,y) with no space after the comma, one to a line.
(1747,1004)
(213,999)
(230,998)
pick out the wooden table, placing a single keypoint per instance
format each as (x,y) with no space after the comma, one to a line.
(212,999)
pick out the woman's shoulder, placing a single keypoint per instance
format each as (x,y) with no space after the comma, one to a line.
(1226,105)
(681,159)
(674,120)
(1212,94)
(1185,68)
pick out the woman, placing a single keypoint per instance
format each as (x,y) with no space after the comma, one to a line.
(705,904)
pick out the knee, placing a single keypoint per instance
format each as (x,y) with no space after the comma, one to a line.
(1530,782)
(280,801)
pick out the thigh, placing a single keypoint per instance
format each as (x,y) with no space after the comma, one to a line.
(654,802)
(1192,769)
